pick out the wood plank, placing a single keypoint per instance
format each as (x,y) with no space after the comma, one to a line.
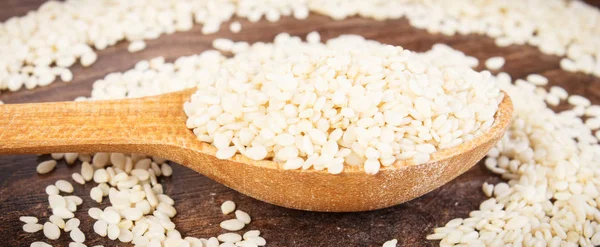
(198,198)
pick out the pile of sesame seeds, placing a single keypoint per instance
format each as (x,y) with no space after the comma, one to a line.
(139,212)
(39,47)
(551,161)
(346,102)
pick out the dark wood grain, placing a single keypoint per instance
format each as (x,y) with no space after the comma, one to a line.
(198,198)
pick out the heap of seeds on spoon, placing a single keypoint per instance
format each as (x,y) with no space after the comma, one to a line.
(348,102)
(510,217)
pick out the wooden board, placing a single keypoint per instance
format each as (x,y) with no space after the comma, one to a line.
(198,198)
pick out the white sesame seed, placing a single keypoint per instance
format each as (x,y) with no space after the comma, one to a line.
(488,189)
(118,160)
(57,156)
(226,153)
(232,225)
(559,92)
(77,235)
(125,236)
(313,37)
(166,209)
(245,243)
(292,164)
(223,44)
(166,170)
(52,190)
(142,164)
(100,160)
(28,219)
(258,240)
(101,228)
(78,178)
(57,221)
(32,227)
(46,166)
(235,27)
(251,233)
(72,224)
(132,213)
(136,46)
(111,217)
(101,176)
(390,243)
(494,63)
(85,158)
(95,213)
(96,194)
(113,231)
(63,212)
(51,231)
(40,244)
(229,237)
(64,186)
(578,100)
(227,207)
(88,59)
(568,65)
(57,201)
(552,100)
(243,216)
(537,79)
(371,166)
(66,75)
(87,171)
(256,152)
(436,236)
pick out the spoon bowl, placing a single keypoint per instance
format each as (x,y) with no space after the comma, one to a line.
(155,125)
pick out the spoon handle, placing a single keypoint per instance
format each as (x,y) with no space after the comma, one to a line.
(138,125)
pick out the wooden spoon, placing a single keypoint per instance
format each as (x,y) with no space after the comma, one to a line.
(156,126)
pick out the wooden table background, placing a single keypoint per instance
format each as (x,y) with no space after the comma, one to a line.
(198,198)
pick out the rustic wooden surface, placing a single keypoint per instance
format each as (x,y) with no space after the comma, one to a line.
(198,198)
